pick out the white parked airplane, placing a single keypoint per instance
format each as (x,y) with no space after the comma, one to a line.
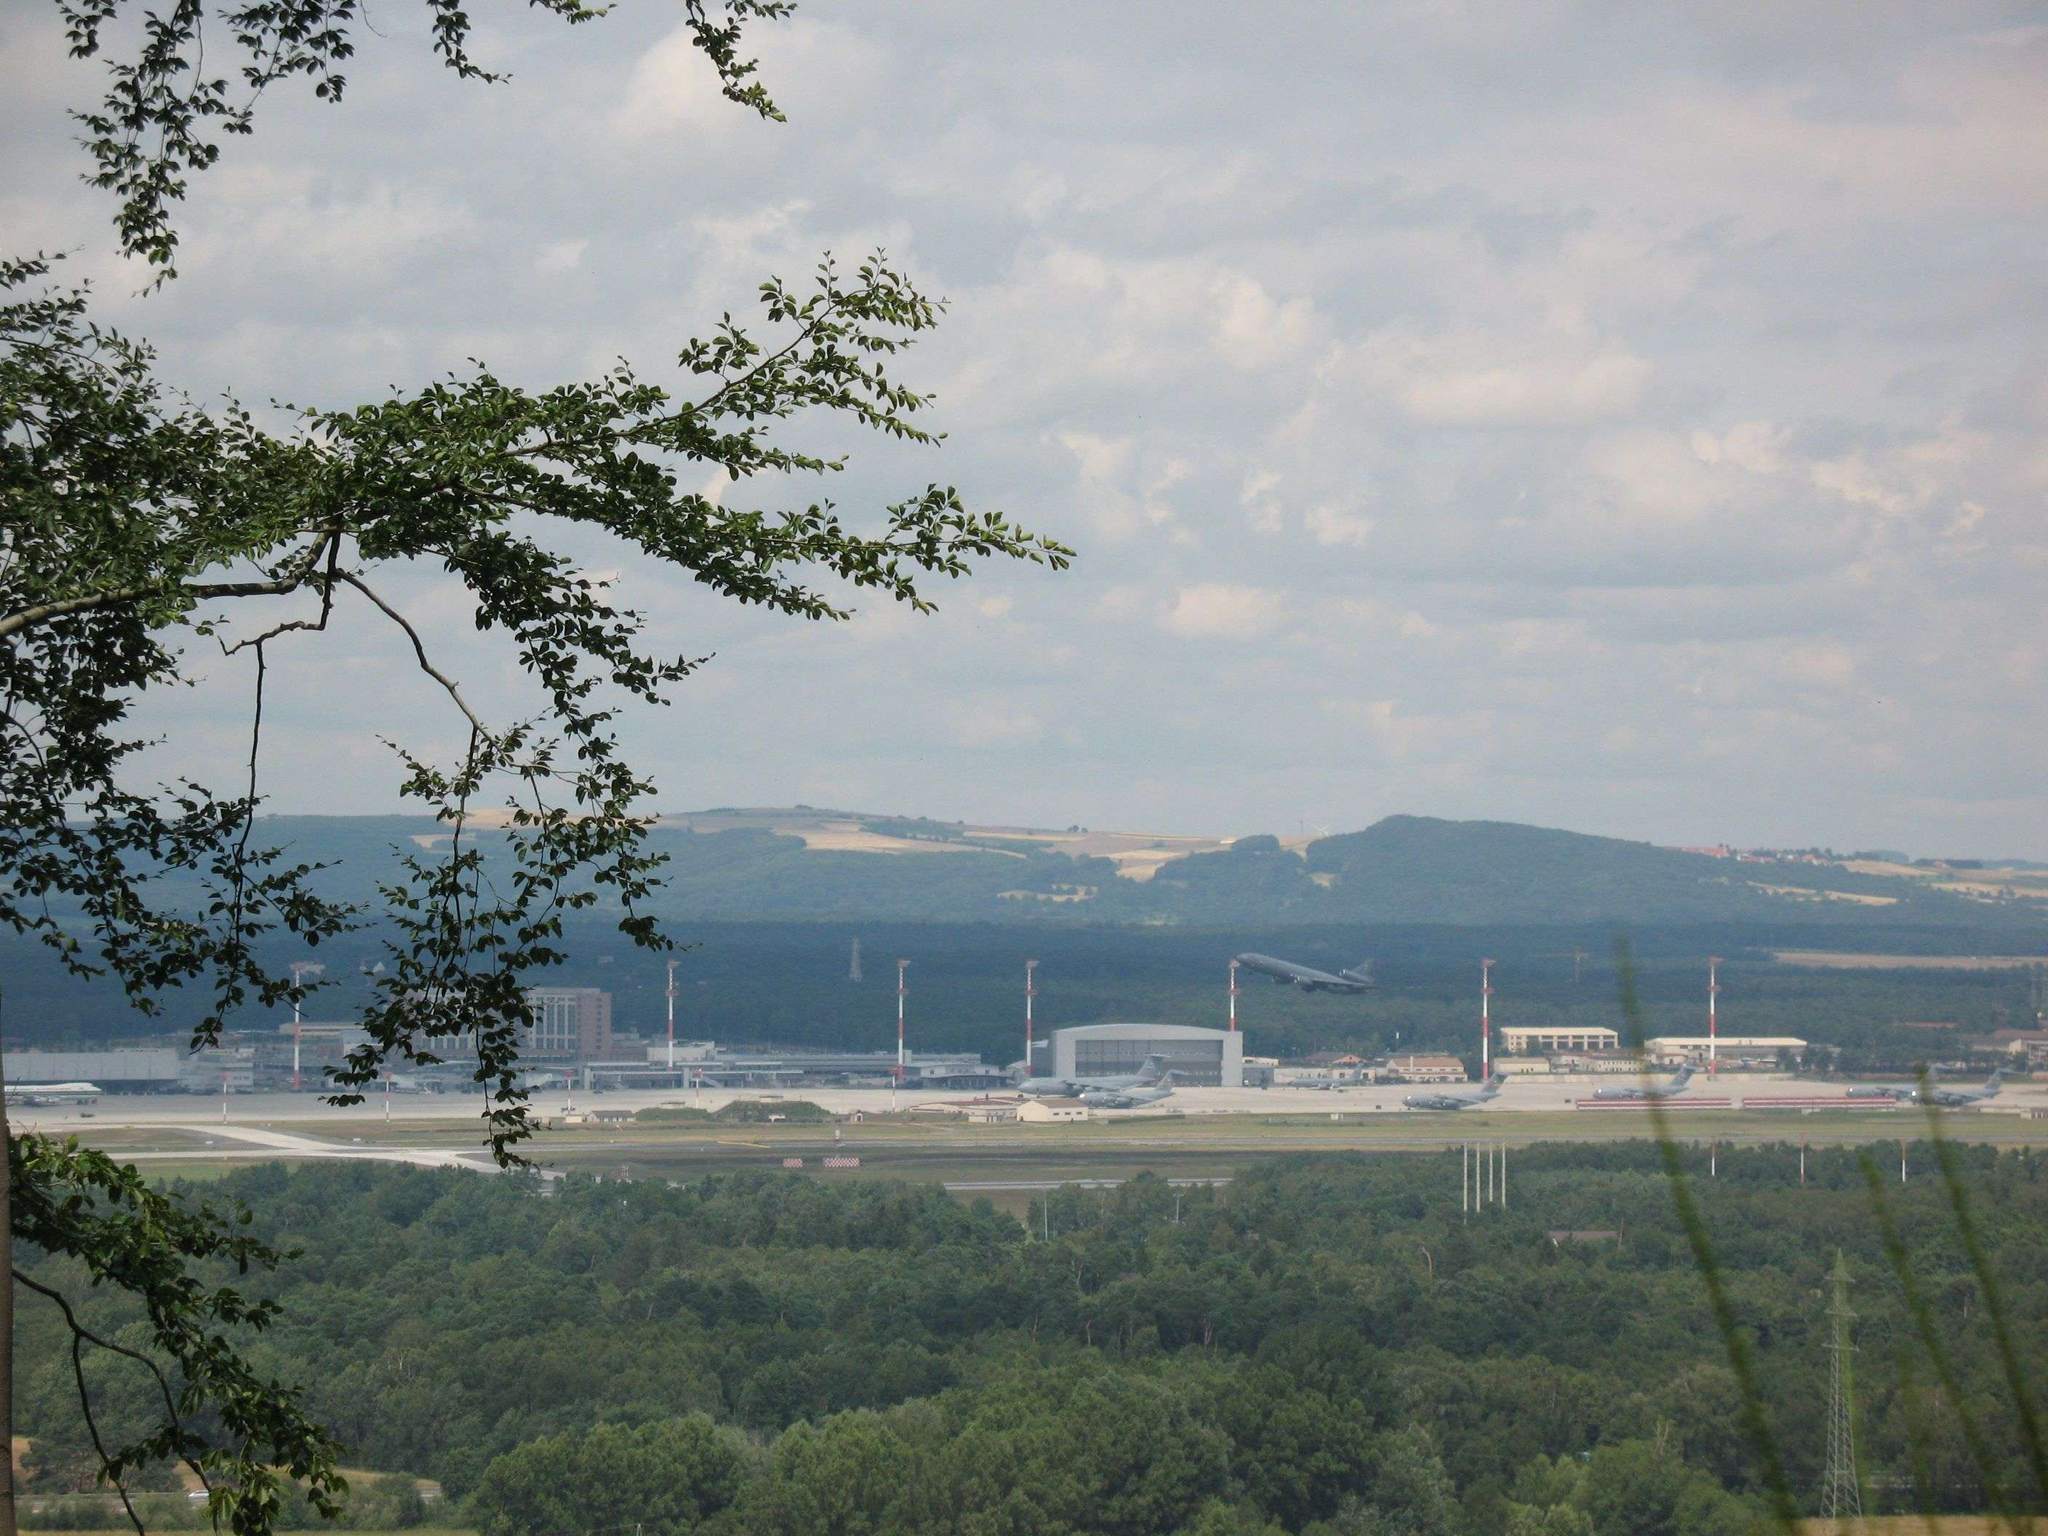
(51,1093)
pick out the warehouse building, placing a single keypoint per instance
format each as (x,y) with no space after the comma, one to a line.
(1677,1050)
(139,1069)
(117,1069)
(1533,1040)
(1202,1058)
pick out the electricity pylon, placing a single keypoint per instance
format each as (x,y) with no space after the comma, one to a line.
(1841,1497)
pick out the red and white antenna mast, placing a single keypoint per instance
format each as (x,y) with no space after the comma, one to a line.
(1713,1011)
(901,989)
(1030,991)
(671,1016)
(1485,1021)
(1233,997)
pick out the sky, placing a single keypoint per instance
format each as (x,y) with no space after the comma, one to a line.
(1632,419)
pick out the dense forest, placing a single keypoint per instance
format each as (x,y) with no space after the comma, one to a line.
(1325,1346)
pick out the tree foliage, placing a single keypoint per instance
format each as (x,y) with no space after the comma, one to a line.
(165,113)
(135,525)
(1276,1358)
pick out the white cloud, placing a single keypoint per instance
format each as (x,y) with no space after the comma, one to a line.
(560,256)
(1477,378)
(1118,495)
(1216,610)
(1261,507)
(1436,359)
(1328,524)
(671,94)
(994,722)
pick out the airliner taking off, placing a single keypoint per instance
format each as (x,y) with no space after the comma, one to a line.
(1357,979)
(51,1093)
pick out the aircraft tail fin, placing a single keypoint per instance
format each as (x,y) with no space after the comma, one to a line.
(1493,1085)
(1360,973)
(1153,1070)
(1994,1082)
(1684,1076)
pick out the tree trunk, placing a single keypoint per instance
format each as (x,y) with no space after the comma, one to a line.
(6,1318)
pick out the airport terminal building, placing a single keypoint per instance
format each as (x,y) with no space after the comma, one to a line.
(1203,1058)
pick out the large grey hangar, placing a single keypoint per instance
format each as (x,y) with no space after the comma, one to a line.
(1203,1058)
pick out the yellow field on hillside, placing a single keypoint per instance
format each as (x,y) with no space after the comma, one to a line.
(1137,855)
(1843,960)
(1915,1525)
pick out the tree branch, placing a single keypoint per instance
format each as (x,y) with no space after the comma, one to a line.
(117,597)
(419,648)
(80,1334)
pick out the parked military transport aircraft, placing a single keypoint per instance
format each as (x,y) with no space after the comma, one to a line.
(1485,1095)
(1636,1091)
(1128,1098)
(1357,979)
(1151,1073)
(1945,1098)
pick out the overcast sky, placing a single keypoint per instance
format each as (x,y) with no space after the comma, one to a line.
(1576,414)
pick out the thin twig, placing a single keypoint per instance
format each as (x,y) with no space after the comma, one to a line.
(80,1334)
(419,650)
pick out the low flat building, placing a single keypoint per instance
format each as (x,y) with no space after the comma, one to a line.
(1608,1062)
(1544,1039)
(1050,1112)
(599,1117)
(984,1111)
(1420,1068)
(2024,1045)
(740,1068)
(1676,1050)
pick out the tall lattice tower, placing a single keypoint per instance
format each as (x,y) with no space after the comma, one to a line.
(1841,1497)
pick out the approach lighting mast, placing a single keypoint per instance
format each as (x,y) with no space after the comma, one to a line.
(1713,1015)
(671,1016)
(1030,991)
(901,990)
(1486,1021)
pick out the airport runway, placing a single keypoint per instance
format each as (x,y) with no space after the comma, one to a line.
(304,1113)
(244,1143)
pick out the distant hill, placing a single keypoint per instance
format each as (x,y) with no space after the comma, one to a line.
(1137,925)
(1404,869)
(802,863)
(1419,869)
